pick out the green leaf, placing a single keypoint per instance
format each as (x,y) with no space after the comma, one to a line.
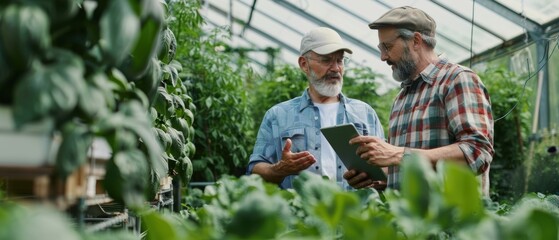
(126,177)
(149,82)
(119,29)
(148,40)
(417,182)
(160,227)
(185,170)
(164,138)
(118,80)
(341,207)
(52,89)
(259,217)
(24,30)
(163,101)
(461,191)
(177,143)
(532,223)
(35,221)
(73,149)
(209,101)
(92,101)
(181,125)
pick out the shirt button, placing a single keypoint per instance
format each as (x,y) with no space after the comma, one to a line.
(340,166)
(316,148)
(316,167)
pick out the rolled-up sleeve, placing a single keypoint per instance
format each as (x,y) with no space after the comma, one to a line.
(468,108)
(264,149)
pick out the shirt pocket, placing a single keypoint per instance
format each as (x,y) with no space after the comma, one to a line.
(298,139)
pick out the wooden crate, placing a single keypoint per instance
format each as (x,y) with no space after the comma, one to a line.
(40,184)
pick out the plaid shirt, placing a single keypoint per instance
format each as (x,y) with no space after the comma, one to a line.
(448,103)
(299,120)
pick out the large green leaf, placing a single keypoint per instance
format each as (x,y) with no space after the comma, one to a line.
(24,30)
(152,17)
(532,223)
(126,178)
(461,192)
(417,183)
(50,89)
(259,216)
(159,226)
(178,141)
(34,221)
(119,30)
(150,81)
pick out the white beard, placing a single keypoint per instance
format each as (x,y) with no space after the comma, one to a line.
(323,87)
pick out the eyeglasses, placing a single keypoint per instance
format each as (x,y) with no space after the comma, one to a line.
(329,60)
(385,47)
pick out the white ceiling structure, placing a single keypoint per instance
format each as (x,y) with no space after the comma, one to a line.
(257,25)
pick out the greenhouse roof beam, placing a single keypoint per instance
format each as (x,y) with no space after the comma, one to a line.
(319,22)
(280,22)
(255,30)
(512,16)
(438,3)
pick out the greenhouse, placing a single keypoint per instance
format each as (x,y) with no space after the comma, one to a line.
(220,119)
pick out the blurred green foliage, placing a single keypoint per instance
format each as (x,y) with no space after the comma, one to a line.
(512,115)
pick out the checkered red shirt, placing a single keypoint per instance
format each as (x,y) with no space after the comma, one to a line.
(448,103)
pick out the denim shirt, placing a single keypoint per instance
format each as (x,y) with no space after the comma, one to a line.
(299,120)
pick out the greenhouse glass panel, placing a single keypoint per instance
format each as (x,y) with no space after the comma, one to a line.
(541,11)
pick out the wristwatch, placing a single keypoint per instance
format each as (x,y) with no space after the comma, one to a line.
(407,152)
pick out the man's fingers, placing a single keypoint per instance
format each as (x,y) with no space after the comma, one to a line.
(287,147)
(349,174)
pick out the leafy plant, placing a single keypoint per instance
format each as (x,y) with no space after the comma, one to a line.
(445,204)
(223,124)
(284,83)
(172,109)
(511,132)
(79,63)
(441,204)
(543,174)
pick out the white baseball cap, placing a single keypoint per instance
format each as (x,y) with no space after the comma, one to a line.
(322,40)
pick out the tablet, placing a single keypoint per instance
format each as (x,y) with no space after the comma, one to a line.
(338,136)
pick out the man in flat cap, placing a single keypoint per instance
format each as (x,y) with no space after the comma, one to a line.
(442,111)
(289,139)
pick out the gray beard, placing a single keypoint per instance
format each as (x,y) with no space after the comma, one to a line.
(323,87)
(404,69)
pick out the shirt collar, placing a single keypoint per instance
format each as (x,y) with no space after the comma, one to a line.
(429,74)
(307,101)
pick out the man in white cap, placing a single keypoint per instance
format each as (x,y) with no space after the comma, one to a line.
(289,139)
(442,112)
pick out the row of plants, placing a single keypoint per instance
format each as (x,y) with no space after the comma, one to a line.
(224,128)
(441,204)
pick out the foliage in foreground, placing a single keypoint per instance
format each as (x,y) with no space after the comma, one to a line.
(445,204)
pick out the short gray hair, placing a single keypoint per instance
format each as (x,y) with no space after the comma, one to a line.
(407,34)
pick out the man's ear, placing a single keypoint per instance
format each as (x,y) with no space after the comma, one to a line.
(417,39)
(304,64)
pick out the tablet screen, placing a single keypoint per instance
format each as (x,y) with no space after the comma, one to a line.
(338,136)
